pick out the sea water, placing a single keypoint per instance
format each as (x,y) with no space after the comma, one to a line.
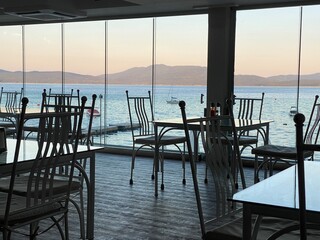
(114,110)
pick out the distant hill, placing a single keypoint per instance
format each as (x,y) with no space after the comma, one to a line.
(165,75)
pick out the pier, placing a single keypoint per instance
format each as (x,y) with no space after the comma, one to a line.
(113,128)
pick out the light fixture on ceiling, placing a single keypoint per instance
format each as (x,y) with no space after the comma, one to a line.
(45,14)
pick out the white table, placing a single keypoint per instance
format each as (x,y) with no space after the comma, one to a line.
(242,125)
(277,196)
(27,153)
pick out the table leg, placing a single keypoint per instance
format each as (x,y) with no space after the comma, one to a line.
(91,199)
(246,225)
(156,161)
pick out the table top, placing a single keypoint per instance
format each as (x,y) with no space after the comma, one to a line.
(281,189)
(239,123)
(28,151)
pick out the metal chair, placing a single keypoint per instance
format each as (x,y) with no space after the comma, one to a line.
(69,102)
(10,100)
(218,155)
(141,120)
(272,154)
(63,103)
(228,139)
(226,221)
(40,200)
(79,179)
(248,108)
(10,103)
(63,98)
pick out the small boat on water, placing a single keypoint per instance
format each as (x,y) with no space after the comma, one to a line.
(173,100)
(96,113)
(293,111)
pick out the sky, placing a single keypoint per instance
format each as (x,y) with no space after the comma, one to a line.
(267,43)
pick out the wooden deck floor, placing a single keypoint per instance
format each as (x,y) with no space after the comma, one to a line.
(123,211)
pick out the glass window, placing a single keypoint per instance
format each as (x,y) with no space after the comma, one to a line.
(11,64)
(181,58)
(84,65)
(42,60)
(267,60)
(129,60)
(75,56)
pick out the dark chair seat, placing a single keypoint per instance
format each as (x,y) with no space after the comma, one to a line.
(60,186)
(165,140)
(242,141)
(247,140)
(19,214)
(277,151)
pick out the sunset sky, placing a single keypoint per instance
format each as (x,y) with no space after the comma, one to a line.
(266,43)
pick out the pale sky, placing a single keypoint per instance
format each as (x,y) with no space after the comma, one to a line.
(266,43)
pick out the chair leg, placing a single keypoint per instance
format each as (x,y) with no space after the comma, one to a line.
(184,165)
(162,170)
(132,165)
(256,178)
(80,210)
(56,223)
(82,234)
(206,173)
(33,230)
(153,171)
(66,226)
(5,234)
(182,153)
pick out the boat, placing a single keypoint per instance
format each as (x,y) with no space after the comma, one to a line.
(173,100)
(293,110)
(96,113)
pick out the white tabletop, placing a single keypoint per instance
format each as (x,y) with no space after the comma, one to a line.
(281,190)
(239,123)
(28,151)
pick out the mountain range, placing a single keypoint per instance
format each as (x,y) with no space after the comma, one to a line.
(165,75)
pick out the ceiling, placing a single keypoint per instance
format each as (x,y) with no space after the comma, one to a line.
(16,12)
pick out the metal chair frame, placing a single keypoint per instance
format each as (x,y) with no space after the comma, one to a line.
(218,160)
(10,103)
(54,151)
(287,154)
(248,108)
(142,127)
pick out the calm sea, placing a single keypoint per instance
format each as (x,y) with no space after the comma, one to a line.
(278,101)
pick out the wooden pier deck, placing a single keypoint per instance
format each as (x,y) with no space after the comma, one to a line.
(112,128)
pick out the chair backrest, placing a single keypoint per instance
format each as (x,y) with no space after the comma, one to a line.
(313,128)
(220,152)
(62,98)
(54,151)
(141,115)
(248,108)
(15,160)
(63,103)
(10,100)
(86,135)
